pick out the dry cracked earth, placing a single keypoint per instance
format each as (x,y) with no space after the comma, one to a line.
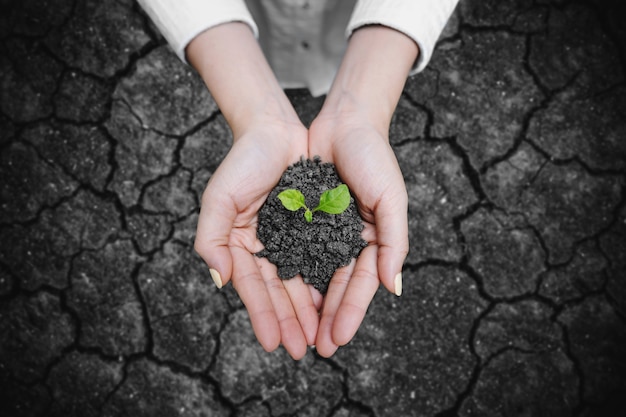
(513,147)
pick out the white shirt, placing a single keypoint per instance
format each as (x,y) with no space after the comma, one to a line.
(303,40)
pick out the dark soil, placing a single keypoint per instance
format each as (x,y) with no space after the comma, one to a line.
(313,250)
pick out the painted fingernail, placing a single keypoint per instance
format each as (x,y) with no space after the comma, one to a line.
(398,284)
(217,278)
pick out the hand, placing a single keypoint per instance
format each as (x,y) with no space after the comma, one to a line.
(366,162)
(268,137)
(352,132)
(280,311)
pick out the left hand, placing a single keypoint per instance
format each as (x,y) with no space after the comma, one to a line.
(367,164)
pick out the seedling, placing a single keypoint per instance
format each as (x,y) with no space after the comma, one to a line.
(334,201)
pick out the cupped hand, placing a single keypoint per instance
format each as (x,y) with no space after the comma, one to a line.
(367,164)
(280,311)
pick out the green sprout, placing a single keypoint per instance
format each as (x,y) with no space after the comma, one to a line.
(334,201)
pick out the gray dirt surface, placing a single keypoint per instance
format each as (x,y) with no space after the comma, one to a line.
(512,143)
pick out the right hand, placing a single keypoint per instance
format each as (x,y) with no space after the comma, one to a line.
(268,137)
(281,311)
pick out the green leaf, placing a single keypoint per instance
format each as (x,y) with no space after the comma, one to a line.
(334,201)
(292,199)
(308,215)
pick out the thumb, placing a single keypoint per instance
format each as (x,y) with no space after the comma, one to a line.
(392,236)
(215,223)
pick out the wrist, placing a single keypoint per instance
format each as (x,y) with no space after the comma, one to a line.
(372,75)
(234,69)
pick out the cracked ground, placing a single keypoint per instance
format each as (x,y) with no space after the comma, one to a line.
(513,148)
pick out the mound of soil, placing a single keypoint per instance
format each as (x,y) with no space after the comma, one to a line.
(313,250)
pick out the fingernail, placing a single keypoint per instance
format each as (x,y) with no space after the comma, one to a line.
(398,284)
(217,278)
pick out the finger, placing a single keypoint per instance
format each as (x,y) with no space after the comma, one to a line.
(357,298)
(304,305)
(392,237)
(248,282)
(317,297)
(369,233)
(291,333)
(319,144)
(215,223)
(324,343)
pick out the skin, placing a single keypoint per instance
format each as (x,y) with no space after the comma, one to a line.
(350,131)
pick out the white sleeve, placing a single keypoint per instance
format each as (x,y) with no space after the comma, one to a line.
(182,20)
(421,20)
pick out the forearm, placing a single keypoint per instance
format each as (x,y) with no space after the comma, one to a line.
(232,65)
(372,74)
